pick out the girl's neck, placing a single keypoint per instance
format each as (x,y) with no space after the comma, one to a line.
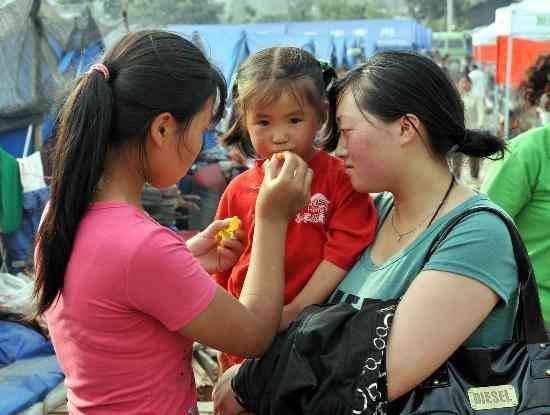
(120,182)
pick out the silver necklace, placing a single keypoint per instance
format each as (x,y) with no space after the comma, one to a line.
(400,235)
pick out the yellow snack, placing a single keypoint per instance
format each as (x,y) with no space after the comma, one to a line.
(280,156)
(229,231)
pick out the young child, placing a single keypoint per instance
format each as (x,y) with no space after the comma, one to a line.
(281,104)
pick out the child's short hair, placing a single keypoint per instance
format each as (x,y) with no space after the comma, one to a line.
(265,76)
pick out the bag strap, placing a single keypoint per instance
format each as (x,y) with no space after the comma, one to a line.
(529,323)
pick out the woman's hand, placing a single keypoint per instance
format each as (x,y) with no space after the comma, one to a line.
(285,188)
(223,396)
(215,255)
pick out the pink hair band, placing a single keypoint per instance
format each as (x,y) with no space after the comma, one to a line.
(100,68)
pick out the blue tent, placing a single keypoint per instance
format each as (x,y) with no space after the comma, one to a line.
(219,42)
(241,51)
(341,42)
(317,45)
(368,35)
(228,45)
(396,34)
(84,47)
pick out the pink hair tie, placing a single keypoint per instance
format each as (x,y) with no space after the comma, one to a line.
(100,68)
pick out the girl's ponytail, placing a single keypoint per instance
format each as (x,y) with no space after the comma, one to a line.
(82,137)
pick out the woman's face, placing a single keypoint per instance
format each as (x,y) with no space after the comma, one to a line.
(172,155)
(367,145)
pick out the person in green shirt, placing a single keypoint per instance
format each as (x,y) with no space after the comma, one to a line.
(520,184)
(398,120)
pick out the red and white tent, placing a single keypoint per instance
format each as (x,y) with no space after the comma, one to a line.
(523,34)
(484,42)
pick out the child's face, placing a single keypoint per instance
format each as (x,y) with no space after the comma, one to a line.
(283,125)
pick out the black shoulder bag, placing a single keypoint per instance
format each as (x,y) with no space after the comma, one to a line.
(513,378)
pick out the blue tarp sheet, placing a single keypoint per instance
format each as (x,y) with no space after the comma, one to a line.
(14,142)
(219,44)
(226,47)
(28,368)
(81,60)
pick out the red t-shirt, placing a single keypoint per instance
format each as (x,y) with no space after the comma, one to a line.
(130,285)
(337,225)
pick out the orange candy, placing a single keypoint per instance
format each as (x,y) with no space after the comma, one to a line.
(229,231)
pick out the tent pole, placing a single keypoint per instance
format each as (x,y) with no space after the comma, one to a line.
(507,86)
(27,141)
(496,108)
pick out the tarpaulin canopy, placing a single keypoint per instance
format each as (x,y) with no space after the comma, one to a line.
(523,33)
(32,38)
(340,42)
(484,42)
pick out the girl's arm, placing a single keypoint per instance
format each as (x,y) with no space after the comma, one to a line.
(322,283)
(246,327)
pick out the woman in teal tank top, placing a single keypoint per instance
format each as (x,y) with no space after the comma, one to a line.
(399,119)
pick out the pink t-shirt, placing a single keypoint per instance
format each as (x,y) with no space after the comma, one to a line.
(130,285)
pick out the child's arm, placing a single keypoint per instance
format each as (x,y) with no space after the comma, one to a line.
(322,283)
(351,229)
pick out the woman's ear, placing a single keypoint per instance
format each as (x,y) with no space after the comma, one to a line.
(409,125)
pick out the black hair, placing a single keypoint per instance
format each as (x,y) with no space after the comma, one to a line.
(537,82)
(150,72)
(264,76)
(392,84)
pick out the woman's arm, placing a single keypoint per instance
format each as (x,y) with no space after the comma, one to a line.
(246,327)
(439,311)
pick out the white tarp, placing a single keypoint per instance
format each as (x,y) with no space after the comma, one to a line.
(486,35)
(530,18)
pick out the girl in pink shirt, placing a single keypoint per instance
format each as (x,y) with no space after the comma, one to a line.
(123,296)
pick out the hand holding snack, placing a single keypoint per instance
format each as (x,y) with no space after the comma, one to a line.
(229,231)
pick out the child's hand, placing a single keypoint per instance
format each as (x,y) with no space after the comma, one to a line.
(217,255)
(223,396)
(290,313)
(285,188)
